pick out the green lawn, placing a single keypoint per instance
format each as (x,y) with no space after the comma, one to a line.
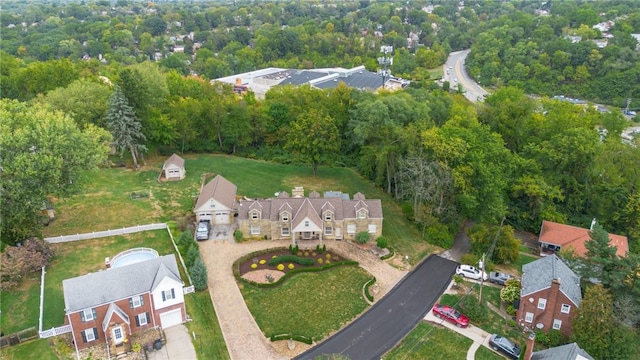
(39,349)
(428,341)
(484,353)
(301,305)
(106,196)
(210,344)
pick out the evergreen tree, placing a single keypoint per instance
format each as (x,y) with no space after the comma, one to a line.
(602,261)
(125,126)
(199,275)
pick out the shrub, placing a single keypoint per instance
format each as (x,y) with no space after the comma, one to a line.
(280,267)
(290,259)
(254,266)
(324,247)
(470,259)
(328,256)
(199,275)
(362,237)
(17,261)
(320,260)
(192,254)
(291,266)
(382,242)
(238,235)
(263,261)
(366,289)
(328,261)
(512,323)
(185,239)
(439,235)
(136,347)
(511,310)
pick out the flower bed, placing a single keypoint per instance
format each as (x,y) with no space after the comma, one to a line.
(261,261)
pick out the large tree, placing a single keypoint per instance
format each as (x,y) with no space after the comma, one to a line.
(42,153)
(125,126)
(313,139)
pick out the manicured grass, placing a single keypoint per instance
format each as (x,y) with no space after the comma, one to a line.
(105,203)
(428,341)
(524,259)
(484,353)
(20,305)
(38,349)
(309,304)
(210,344)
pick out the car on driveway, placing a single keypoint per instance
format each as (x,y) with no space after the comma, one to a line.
(450,314)
(202,232)
(471,272)
(505,346)
(499,278)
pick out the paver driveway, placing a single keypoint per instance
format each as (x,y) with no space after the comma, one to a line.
(242,335)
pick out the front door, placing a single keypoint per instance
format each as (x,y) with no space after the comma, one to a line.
(118,335)
(306,235)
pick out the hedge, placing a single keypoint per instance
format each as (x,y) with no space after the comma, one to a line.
(295,271)
(366,289)
(389,255)
(300,338)
(290,259)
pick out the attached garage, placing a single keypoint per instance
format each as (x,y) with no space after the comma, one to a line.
(171,318)
(204,217)
(222,218)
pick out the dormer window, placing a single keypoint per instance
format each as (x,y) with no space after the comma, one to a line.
(285,217)
(362,214)
(306,223)
(328,216)
(255,215)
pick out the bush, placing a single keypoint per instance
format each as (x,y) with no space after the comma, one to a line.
(362,237)
(17,261)
(185,239)
(470,259)
(439,235)
(192,254)
(280,267)
(199,275)
(238,235)
(290,259)
(382,242)
(291,266)
(511,310)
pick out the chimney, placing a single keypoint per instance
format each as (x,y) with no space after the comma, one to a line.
(593,223)
(297,192)
(531,340)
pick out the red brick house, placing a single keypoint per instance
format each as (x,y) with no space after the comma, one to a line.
(110,305)
(555,236)
(549,295)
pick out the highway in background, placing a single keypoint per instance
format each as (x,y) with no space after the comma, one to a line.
(455,73)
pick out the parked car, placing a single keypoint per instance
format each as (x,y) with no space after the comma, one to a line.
(499,278)
(505,346)
(471,272)
(202,232)
(450,314)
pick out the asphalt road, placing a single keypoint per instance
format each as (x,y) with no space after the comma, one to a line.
(456,73)
(393,317)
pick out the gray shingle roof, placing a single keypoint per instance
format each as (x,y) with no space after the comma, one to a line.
(113,284)
(221,190)
(539,274)
(564,352)
(174,160)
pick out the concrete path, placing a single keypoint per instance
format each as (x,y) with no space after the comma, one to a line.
(479,336)
(178,346)
(242,335)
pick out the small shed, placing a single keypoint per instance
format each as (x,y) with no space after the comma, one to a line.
(173,168)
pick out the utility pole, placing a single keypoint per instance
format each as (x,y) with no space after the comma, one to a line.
(385,61)
(487,255)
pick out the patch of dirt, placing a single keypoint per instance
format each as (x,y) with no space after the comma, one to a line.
(262,276)
(157,209)
(309,183)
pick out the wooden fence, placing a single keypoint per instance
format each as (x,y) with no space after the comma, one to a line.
(20,336)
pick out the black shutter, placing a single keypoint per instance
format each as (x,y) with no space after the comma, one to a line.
(164,298)
(95,332)
(173,294)
(84,337)
(95,314)
(148,318)
(142,300)
(130,303)
(137,320)
(82,316)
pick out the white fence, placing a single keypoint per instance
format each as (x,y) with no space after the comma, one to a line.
(55,331)
(188,289)
(107,233)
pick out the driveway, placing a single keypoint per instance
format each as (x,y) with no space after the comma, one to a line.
(392,317)
(178,346)
(479,336)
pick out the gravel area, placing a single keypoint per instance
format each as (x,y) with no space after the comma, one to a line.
(242,335)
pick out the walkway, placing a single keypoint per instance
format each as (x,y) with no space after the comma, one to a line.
(242,335)
(479,336)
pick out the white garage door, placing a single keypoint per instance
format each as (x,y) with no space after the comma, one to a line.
(204,217)
(170,318)
(222,218)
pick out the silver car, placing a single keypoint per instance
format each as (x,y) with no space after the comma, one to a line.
(202,232)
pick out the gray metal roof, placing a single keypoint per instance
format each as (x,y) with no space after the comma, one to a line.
(113,284)
(539,275)
(302,77)
(365,80)
(565,352)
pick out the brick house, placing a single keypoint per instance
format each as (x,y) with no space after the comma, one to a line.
(549,295)
(110,305)
(565,352)
(334,216)
(555,237)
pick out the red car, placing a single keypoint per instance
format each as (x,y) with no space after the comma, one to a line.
(450,314)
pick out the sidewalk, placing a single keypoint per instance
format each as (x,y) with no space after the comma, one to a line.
(479,336)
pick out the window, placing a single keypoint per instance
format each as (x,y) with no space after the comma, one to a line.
(528,317)
(542,303)
(351,229)
(255,230)
(136,301)
(327,216)
(362,214)
(306,223)
(285,216)
(254,215)
(565,309)
(88,315)
(285,231)
(89,335)
(328,230)
(373,228)
(557,324)
(168,295)
(142,319)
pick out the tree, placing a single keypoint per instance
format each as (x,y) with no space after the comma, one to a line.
(602,259)
(18,261)
(199,274)
(42,153)
(313,139)
(125,126)
(595,330)
(511,291)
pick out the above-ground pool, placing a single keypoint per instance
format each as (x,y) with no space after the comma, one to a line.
(132,256)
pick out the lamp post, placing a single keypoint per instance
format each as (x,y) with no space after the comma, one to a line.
(199,337)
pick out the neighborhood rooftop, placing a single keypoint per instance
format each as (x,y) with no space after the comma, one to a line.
(105,286)
(568,236)
(567,352)
(539,274)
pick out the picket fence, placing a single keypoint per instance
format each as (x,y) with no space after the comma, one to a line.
(106,233)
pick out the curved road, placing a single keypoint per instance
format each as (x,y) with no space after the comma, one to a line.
(455,73)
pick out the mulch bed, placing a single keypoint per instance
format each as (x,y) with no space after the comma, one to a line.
(245,267)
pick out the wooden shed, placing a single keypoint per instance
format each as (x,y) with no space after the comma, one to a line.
(173,168)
